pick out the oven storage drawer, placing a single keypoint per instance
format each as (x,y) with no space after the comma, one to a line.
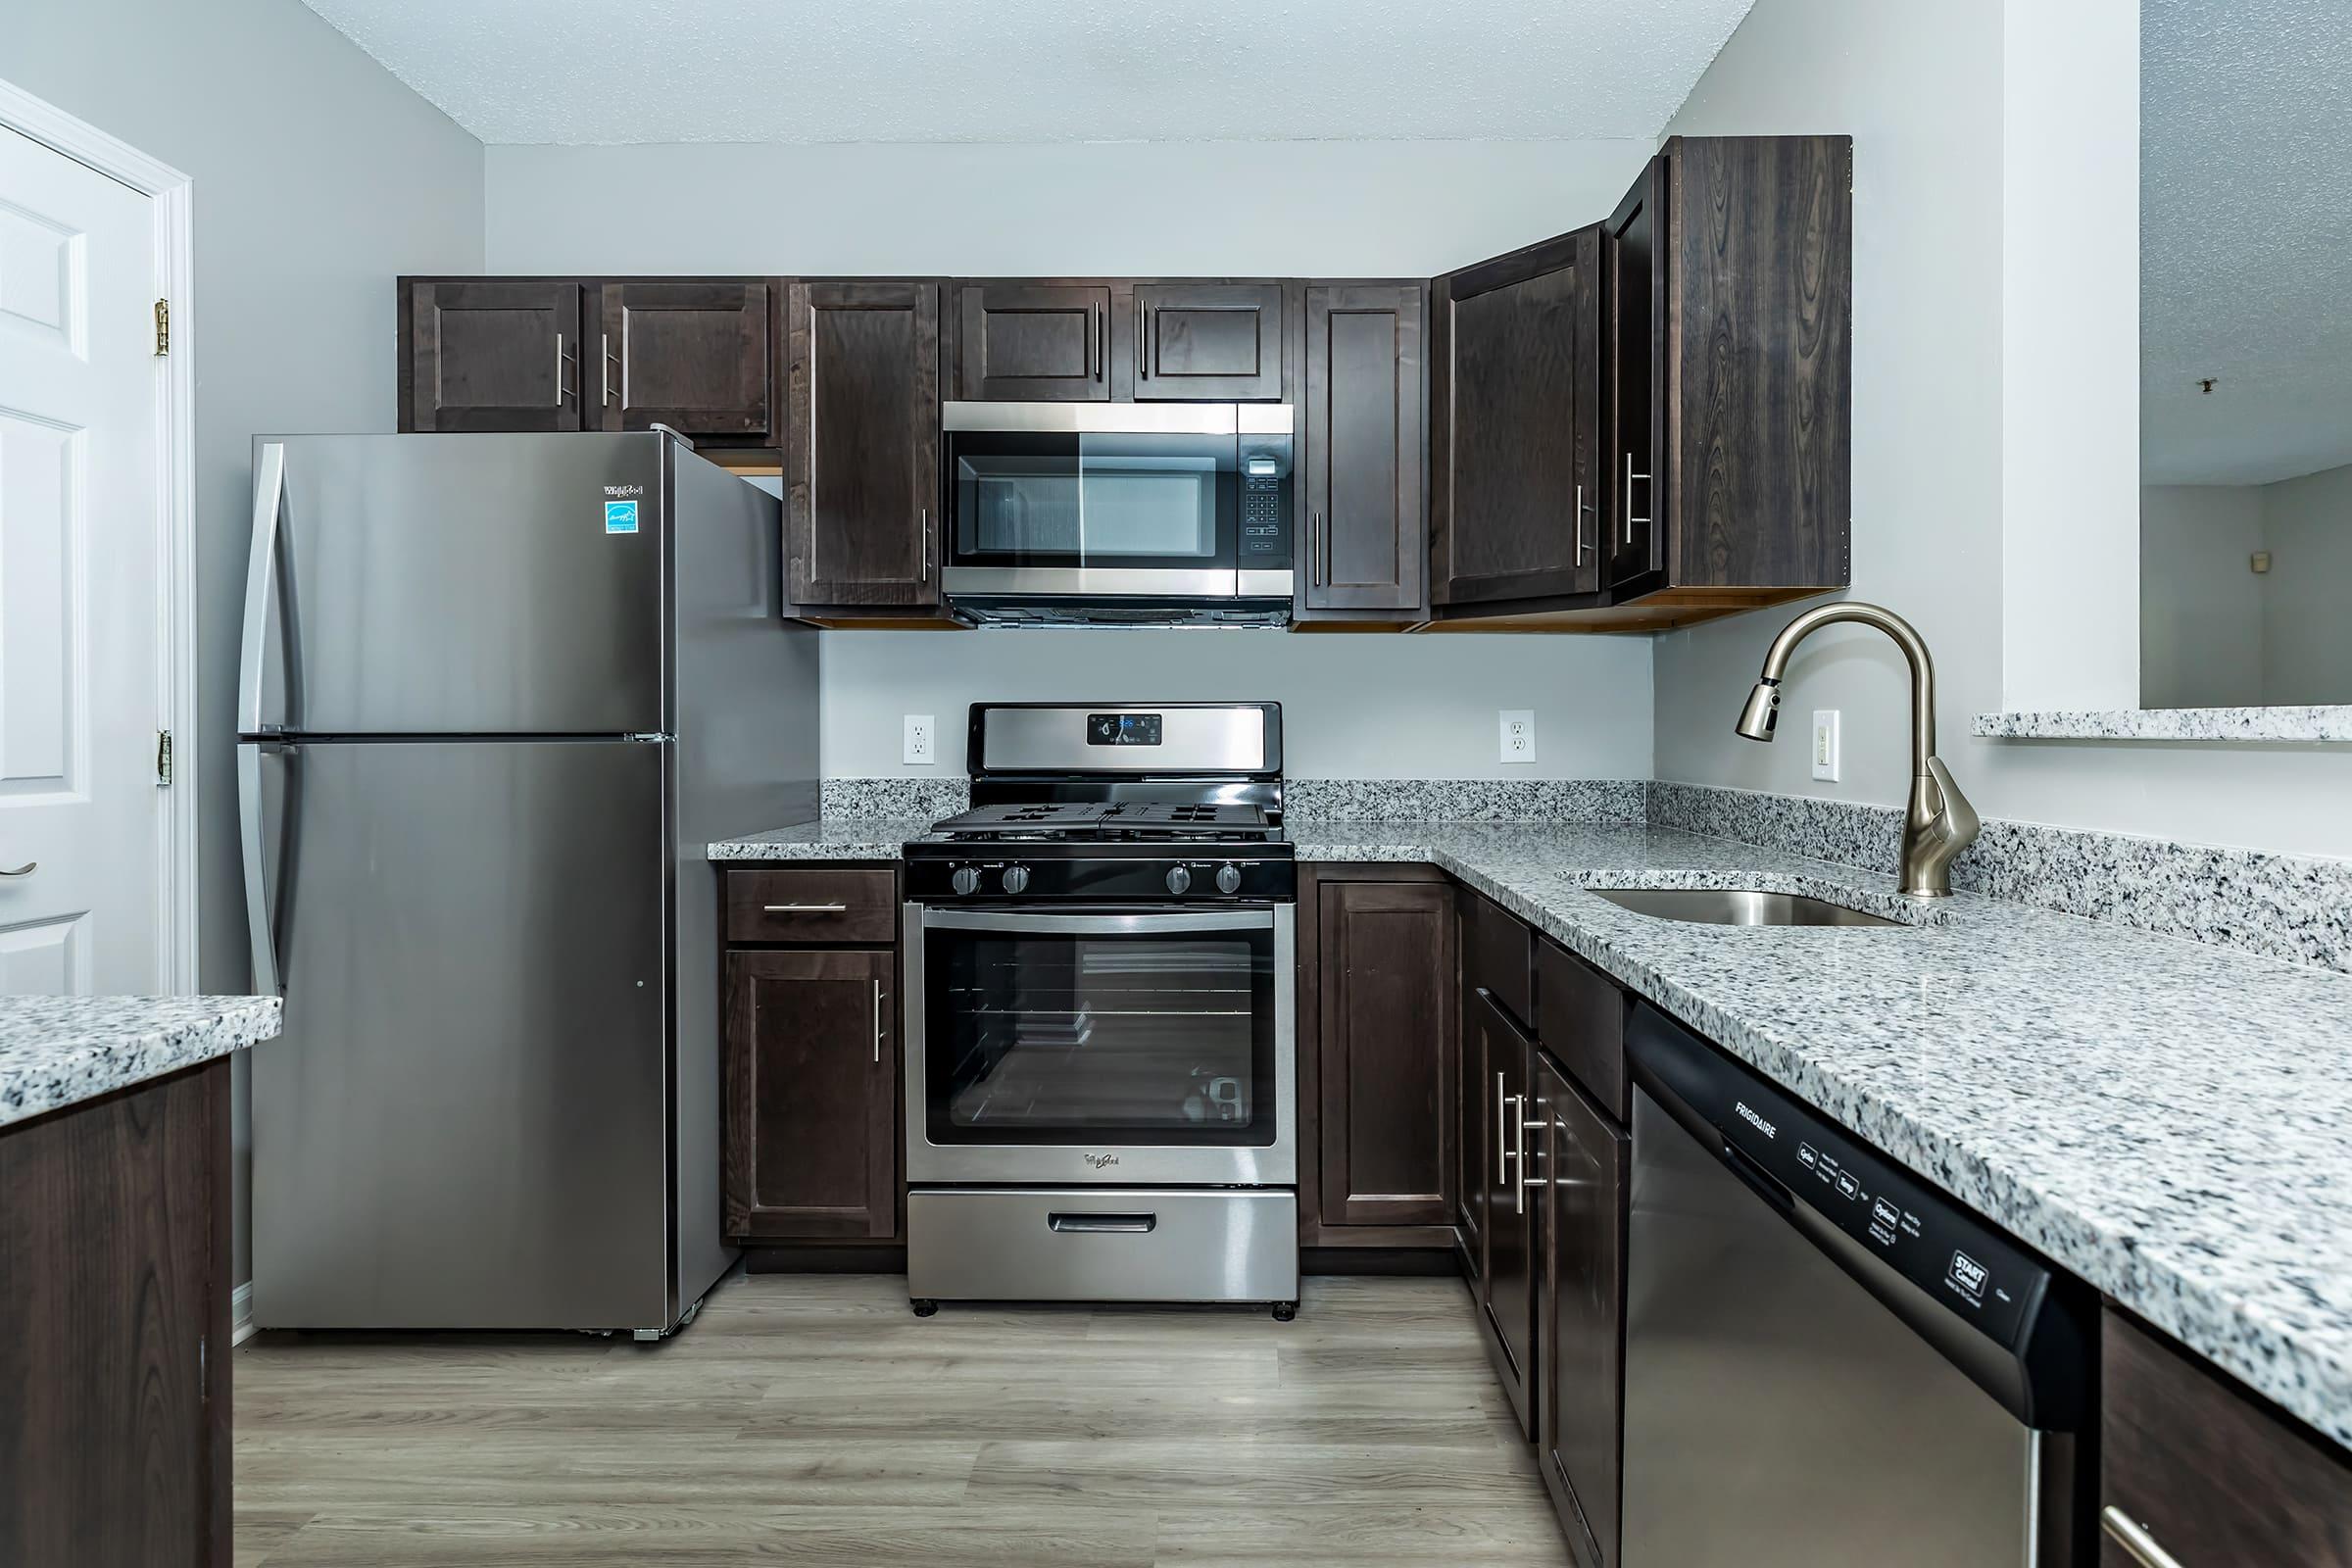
(1102,1243)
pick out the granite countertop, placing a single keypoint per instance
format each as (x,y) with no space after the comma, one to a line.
(2171,1121)
(57,1052)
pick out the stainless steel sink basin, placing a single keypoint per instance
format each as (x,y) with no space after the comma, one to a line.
(1736,907)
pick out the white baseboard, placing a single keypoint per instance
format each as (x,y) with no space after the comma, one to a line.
(240,1314)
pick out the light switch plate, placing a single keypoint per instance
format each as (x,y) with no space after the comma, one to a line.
(921,739)
(1518,734)
(1825,743)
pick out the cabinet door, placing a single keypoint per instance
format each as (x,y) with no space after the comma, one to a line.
(2197,1466)
(811,1135)
(1507,1279)
(1211,342)
(1474,1125)
(693,356)
(1516,503)
(1367,539)
(1032,342)
(861,458)
(1386,1006)
(1635,267)
(113,1329)
(493,355)
(1580,1316)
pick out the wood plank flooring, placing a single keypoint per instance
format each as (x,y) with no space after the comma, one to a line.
(813,1419)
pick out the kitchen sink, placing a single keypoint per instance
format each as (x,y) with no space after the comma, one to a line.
(1737,906)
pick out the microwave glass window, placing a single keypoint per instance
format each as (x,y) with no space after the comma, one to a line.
(1149,501)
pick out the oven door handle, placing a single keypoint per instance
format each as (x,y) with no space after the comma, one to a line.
(1093,926)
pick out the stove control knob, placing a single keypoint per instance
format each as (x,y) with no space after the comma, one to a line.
(1179,880)
(1016,879)
(966,880)
(1229,878)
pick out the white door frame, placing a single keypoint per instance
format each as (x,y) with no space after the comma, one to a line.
(171,194)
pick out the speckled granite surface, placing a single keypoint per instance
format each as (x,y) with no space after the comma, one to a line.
(2169,1120)
(2291,907)
(1465,799)
(895,797)
(836,838)
(2279,725)
(56,1052)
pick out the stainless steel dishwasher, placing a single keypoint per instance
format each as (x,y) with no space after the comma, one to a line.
(1827,1361)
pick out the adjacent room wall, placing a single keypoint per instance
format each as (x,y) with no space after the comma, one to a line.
(318,177)
(1921,88)
(2201,604)
(2305,634)
(1358,705)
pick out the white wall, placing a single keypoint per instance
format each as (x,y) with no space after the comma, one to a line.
(1353,706)
(1920,89)
(2201,604)
(318,177)
(2307,636)
(1366,705)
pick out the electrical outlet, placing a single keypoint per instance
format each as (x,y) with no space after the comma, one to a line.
(1518,734)
(919,736)
(1825,743)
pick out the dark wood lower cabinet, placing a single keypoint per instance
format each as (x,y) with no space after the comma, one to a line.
(1506,1284)
(810,1116)
(1385,1089)
(2205,1470)
(115,1329)
(1580,1313)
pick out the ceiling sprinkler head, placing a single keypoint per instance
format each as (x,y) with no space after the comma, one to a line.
(2205,384)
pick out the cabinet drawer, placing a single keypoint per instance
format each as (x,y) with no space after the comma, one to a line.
(812,906)
(1580,1018)
(1498,955)
(2206,1470)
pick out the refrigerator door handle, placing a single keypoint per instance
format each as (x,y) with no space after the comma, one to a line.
(261,580)
(259,929)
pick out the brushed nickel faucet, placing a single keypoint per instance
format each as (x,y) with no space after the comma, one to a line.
(1939,822)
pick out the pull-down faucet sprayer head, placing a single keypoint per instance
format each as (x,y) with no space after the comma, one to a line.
(1762,713)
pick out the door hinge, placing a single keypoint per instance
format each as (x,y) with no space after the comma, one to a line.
(163,756)
(163,327)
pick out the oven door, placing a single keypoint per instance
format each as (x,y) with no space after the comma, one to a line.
(1117,500)
(1127,1048)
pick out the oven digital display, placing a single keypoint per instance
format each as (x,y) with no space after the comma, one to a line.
(1122,730)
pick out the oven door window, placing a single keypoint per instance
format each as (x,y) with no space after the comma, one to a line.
(1141,501)
(1035,1037)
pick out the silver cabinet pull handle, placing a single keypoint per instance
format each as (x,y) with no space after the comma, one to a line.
(27,869)
(1630,477)
(606,378)
(1102,333)
(1579,521)
(877,1023)
(1142,371)
(923,526)
(563,359)
(1519,1155)
(804,908)
(2129,1534)
(1503,1130)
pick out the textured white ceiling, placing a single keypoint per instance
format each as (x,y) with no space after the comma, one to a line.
(2246,239)
(585,71)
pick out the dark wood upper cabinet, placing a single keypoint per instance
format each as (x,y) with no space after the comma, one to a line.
(1032,342)
(2207,1470)
(492,354)
(695,355)
(1580,1313)
(810,1138)
(115,1438)
(1210,342)
(1385,1019)
(1515,423)
(1361,458)
(861,446)
(1732,262)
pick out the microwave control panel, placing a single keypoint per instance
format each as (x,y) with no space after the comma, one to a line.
(1265,534)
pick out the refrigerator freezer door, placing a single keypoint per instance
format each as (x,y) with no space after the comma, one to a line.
(455,585)
(466,1122)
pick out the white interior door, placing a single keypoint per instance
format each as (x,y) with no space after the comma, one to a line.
(79,672)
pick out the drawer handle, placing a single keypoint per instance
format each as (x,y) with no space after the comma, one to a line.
(804,909)
(1103,1224)
(2140,1546)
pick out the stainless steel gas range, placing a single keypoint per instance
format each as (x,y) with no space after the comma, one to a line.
(1101,1050)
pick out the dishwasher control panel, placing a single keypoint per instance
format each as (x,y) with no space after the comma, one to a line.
(1958,1258)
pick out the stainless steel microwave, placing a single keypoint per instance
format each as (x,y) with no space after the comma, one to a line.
(1147,513)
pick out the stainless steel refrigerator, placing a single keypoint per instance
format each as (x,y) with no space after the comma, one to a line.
(496,693)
